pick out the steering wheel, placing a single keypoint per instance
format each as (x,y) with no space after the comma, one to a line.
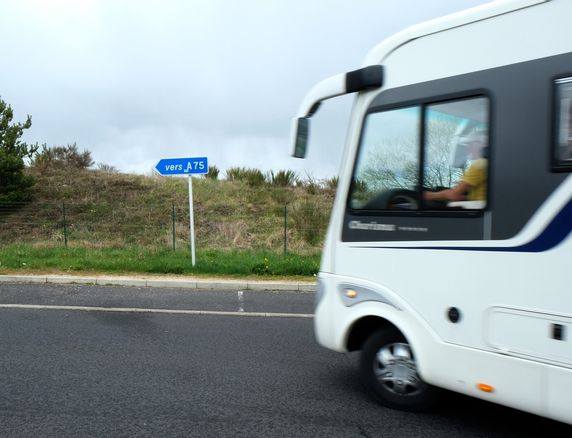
(403,200)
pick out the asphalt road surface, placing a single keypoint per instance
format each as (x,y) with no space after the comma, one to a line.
(243,370)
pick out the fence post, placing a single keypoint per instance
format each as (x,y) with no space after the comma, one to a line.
(65,225)
(173,220)
(285,227)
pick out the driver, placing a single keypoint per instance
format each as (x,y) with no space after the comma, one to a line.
(473,184)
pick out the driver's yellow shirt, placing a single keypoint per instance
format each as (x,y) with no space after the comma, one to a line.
(476,177)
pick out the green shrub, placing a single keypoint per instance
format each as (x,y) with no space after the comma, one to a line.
(310,184)
(62,156)
(252,177)
(332,183)
(310,220)
(283,178)
(214,172)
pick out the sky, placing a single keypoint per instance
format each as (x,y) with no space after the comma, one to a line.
(135,81)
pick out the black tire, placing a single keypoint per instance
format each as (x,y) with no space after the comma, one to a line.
(389,371)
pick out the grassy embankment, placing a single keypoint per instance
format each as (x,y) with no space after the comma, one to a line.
(29,259)
(93,221)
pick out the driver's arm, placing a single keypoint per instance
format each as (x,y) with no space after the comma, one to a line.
(456,193)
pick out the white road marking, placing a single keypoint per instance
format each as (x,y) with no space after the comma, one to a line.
(240,301)
(165,311)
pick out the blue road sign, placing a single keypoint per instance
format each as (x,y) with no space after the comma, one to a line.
(182,166)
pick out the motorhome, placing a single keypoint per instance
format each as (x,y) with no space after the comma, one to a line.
(447,255)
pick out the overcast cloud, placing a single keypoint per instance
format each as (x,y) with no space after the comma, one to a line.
(140,80)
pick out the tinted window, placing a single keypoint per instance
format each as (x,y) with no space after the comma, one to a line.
(388,161)
(563,149)
(456,150)
(408,152)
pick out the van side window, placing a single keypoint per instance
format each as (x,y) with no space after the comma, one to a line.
(563,149)
(425,157)
(386,173)
(456,154)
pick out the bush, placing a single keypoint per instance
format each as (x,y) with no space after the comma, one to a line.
(283,178)
(332,183)
(310,220)
(213,172)
(107,168)
(310,184)
(62,156)
(252,177)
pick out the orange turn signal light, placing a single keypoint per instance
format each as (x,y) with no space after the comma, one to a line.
(485,388)
(351,293)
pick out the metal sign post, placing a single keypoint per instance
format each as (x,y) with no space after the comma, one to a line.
(191,220)
(190,167)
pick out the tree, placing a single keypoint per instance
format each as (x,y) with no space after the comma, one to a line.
(15,186)
(394,163)
(62,157)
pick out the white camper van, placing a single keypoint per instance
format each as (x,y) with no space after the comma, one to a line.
(447,257)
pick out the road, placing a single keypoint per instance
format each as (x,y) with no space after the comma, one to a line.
(245,369)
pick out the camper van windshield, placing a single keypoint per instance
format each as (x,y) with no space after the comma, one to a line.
(398,163)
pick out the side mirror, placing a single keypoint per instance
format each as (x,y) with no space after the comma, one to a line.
(301,136)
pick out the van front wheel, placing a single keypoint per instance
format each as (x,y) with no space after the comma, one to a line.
(389,370)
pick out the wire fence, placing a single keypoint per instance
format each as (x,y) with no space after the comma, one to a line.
(299,228)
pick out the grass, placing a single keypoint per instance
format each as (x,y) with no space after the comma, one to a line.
(31,259)
(90,221)
(100,209)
